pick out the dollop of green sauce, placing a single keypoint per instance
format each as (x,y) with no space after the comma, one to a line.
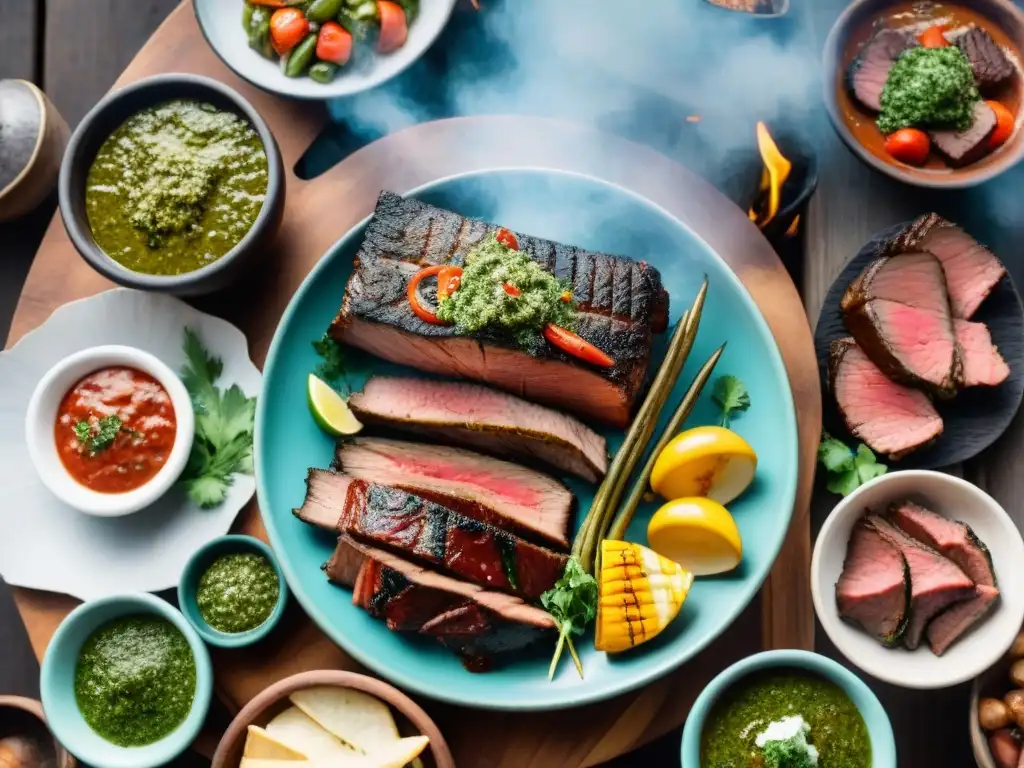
(929,88)
(176,187)
(837,731)
(483,303)
(238,592)
(135,680)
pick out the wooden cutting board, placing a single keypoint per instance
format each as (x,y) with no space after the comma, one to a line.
(321,210)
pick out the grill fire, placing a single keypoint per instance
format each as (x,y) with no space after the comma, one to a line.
(776,171)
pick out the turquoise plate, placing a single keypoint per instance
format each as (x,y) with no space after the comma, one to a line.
(593,214)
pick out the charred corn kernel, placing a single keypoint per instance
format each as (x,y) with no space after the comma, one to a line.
(640,593)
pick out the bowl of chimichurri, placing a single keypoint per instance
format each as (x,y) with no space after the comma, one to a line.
(172,184)
(233,591)
(788,709)
(126,682)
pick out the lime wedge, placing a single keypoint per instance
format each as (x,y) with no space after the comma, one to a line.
(329,409)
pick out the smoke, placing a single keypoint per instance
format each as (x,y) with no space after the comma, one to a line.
(638,68)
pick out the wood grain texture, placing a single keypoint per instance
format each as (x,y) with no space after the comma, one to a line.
(19,21)
(320,211)
(977,416)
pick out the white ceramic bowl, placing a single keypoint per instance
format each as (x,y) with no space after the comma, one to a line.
(42,414)
(953,498)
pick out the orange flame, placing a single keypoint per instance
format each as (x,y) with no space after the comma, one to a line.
(776,170)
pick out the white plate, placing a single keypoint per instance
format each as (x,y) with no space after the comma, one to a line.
(221,23)
(950,497)
(45,544)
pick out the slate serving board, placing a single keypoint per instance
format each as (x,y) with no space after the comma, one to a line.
(977,416)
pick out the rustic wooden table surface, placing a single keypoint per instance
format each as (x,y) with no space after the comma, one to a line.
(75,49)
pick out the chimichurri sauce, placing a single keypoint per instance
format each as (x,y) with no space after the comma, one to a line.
(176,187)
(238,592)
(135,680)
(837,728)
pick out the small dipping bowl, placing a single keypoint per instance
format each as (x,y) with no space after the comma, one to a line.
(42,415)
(189,586)
(57,685)
(105,118)
(24,718)
(883,743)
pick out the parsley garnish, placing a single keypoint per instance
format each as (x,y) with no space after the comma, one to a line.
(224,425)
(332,361)
(847,470)
(572,603)
(731,396)
(98,437)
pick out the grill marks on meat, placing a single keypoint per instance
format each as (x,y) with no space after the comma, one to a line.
(874,587)
(950,625)
(491,421)
(870,69)
(961,148)
(983,366)
(952,538)
(622,304)
(891,419)
(432,534)
(971,269)
(519,500)
(990,63)
(898,310)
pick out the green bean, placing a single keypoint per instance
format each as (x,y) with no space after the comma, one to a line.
(323,10)
(323,71)
(247,11)
(301,56)
(259,33)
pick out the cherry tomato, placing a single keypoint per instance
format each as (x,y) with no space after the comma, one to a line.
(1004,125)
(393,27)
(507,239)
(512,291)
(934,37)
(334,43)
(288,28)
(909,145)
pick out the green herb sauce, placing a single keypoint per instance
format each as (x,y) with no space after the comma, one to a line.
(929,88)
(176,187)
(135,680)
(482,302)
(238,592)
(837,728)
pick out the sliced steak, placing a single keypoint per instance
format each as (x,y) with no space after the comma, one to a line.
(898,312)
(345,565)
(870,69)
(477,635)
(955,540)
(972,271)
(950,625)
(962,148)
(479,417)
(621,304)
(517,499)
(990,63)
(432,534)
(935,582)
(874,587)
(889,418)
(982,363)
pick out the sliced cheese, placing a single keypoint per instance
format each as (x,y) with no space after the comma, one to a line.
(398,753)
(260,745)
(354,717)
(295,729)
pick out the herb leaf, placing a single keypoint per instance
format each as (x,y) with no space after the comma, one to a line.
(224,426)
(83,431)
(731,396)
(99,437)
(572,603)
(332,363)
(847,470)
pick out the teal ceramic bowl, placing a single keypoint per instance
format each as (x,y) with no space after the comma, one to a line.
(883,743)
(189,585)
(57,685)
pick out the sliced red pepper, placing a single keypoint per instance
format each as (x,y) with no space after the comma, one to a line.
(512,291)
(507,239)
(413,292)
(575,345)
(449,280)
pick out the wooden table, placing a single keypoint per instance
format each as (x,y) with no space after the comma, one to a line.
(851,204)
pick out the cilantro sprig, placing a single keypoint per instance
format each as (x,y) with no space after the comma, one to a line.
(847,469)
(572,603)
(95,438)
(331,367)
(224,427)
(731,396)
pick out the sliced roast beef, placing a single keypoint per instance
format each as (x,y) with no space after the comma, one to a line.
(477,635)
(874,587)
(621,304)
(870,69)
(990,63)
(953,539)
(479,417)
(935,582)
(889,418)
(962,148)
(345,565)
(431,534)
(512,497)
(898,311)
(972,271)
(983,366)
(950,625)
